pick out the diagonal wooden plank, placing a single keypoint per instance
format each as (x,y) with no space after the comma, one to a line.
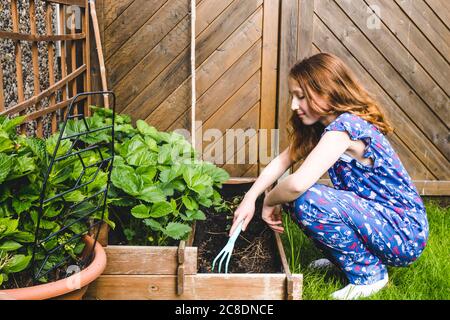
(113,9)
(227,85)
(384,73)
(233,109)
(172,46)
(405,128)
(208,72)
(411,71)
(179,70)
(441,8)
(415,42)
(428,23)
(128,22)
(163,21)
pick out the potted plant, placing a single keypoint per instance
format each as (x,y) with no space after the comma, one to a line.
(49,200)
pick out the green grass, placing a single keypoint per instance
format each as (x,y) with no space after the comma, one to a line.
(428,278)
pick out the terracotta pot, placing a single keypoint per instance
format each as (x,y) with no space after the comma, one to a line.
(70,288)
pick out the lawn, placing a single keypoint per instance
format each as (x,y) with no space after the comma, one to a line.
(426,279)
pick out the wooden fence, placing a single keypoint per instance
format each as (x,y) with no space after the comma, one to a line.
(399,50)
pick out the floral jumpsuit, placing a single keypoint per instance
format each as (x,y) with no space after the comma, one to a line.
(373,216)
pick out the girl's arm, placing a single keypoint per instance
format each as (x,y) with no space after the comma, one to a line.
(271,173)
(330,147)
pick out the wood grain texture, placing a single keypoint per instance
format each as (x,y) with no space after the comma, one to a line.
(196,287)
(141,260)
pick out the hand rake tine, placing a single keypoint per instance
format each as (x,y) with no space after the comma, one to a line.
(228,262)
(221,260)
(217,257)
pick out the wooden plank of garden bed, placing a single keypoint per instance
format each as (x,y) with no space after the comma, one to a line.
(145,260)
(197,287)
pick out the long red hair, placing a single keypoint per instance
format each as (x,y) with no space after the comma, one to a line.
(329,78)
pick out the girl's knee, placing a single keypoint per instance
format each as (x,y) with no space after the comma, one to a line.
(313,199)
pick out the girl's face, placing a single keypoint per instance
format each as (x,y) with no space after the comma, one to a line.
(300,106)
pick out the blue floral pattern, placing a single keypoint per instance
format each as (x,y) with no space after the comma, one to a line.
(373,216)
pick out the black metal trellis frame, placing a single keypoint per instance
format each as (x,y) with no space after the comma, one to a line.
(77,148)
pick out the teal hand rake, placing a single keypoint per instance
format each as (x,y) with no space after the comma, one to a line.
(227,250)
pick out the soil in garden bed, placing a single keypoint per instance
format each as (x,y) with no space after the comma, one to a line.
(255,250)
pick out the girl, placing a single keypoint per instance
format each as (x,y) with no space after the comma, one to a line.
(373,217)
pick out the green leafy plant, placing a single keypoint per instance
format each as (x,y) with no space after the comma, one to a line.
(23,164)
(159,188)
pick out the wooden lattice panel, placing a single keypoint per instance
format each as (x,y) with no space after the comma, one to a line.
(74,66)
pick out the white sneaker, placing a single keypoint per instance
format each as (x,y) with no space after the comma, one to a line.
(352,291)
(321,264)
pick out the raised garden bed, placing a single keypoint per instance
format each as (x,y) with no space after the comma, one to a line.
(258,268)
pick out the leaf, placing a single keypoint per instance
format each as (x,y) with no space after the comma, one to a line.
(151,143)
(43,224)
(129,233)
(189,203)
(173,203)
(161,209)
(140,211)
(142,158)
(21,205)
(165,154)
(124,177)
(76,227)
(195,214)
(74,196)
(153,224)
(10,245)
(6,164)
(8,226)
(51,142)
(122,202)
(23,236)
(9,125)
(218,175)
(17,263)
(151,194)
(38,148)
(205,201)
(167,175)
(147,173)
(147,130)
(23,166)
(177,230)
(6,144)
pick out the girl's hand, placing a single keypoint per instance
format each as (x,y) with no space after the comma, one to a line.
(245,213)
(273,217)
